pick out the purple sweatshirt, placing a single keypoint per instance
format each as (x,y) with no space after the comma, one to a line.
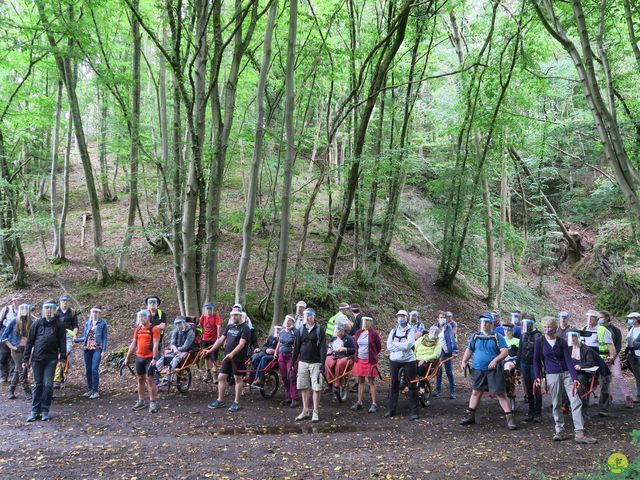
(555,359)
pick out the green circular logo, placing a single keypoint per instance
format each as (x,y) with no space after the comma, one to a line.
(617,462)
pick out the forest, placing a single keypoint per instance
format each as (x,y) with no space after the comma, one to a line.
(500,138)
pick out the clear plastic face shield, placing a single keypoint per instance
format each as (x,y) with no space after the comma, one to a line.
(592,320)
(486,324)
(563,318)
(508,332)
(573,338)
(48,309)
(413,318)
(152,304)
(207,310)
(24,310)
(180,325)
(527,325)
(142,317)
(401,320)
(236,317)
(515,318)
(94,313)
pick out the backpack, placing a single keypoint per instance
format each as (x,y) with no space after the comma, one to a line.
(474,339)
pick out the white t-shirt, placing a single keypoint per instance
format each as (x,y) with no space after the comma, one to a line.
(442,341)
(551,342)
(592,341)
(631,336)
(337,344)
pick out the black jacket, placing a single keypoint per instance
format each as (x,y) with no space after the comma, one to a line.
(525,352)
(47,341)
(310,345)
(349,344)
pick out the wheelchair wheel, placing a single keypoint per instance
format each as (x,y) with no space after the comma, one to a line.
(271,384)
(425,398)
(183,380)
(342,392)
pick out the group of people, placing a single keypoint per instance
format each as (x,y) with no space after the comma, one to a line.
(562,355)
(43,346)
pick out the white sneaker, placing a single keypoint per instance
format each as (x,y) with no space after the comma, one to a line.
(87,394)
(94,395)
(303,416)
(315,417)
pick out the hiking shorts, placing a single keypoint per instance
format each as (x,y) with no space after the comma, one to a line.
(227,368)
(309,376)
(491,381)
(143,366)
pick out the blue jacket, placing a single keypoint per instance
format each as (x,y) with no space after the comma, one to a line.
(450,339)
(11,333)
(101,333)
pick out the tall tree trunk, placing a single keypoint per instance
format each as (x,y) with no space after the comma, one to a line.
(134,124)
(104,167)
(66,72)
(283,250)
(491,252)
(54,171)
(254,175)
(504,221)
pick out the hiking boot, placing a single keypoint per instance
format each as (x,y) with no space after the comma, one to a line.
(216,404)
(436,394)
(580,438)
(511,422)
(153,407)
(12,393)
(452,396)
(234,407)
(33,417)
(315,417)
(469,419)
(628,402)
(27,393)
(356,406)
(389,414)
(373,408)
(87,394)
(45,416)
(94,395)
(561,436)
(303,416)
(294,404)
(413,416)
(139,405)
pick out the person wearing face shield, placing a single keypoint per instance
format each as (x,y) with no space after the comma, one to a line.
(182,342)
(449,346)
(14,337)
(582,357)
(366,358)
(554,354)
(524,363)
(516,320)
(9,312)
(633,346)
(489,349)
(416,324)
(615,365)
(564,324)
(601,342)
(46,347)
(428,350)
(94,342)
(70,320)
(210,322)
(299,318)
(146,345)
(400,344)
(284,353)
(237,341)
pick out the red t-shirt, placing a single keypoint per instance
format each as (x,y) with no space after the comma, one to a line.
(144,337)
(210,326)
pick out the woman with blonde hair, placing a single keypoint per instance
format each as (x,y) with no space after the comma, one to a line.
(15,337)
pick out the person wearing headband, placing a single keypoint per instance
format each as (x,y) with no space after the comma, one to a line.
(341,317)
(400,343)
(301,306)
(633,346)
(94,342)
(582,358)
(157,317)
(146,345)
(284,353)
(489,349)
(46,347)
(182,342)
(70,320)
(365,362)
(14,338)
(554,354)
(9,312)
(601,342)
(449,349)
(210,322)
(524,363)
